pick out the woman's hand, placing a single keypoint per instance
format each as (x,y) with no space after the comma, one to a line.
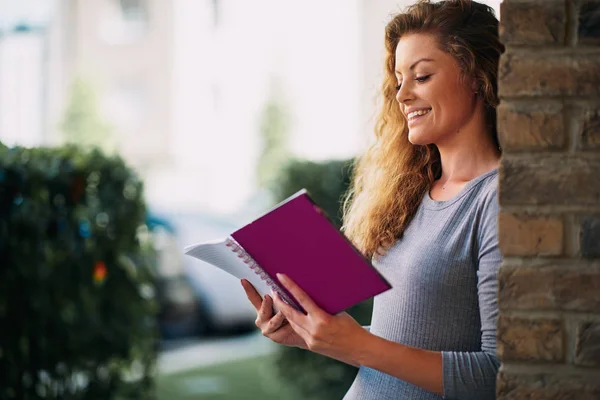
(337,336)
(275,327)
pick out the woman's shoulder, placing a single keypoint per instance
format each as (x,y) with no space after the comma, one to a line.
(489,185)
(487,203)
(484,196)
(486,189)
(483,191)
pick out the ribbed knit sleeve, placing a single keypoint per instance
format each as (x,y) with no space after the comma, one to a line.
(472,375)
(443,297)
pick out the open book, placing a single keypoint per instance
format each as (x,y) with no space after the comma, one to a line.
(298,239)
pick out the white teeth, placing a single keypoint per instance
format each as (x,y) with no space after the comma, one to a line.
(418,113)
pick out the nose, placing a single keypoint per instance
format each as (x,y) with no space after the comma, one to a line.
(405,94)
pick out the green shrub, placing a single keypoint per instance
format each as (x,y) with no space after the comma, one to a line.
(76,310)
(314,376)
(326,182)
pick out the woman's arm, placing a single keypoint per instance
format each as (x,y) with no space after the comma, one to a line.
(472,375)
(341,337)
(457,375)
(464,375)
(422,368)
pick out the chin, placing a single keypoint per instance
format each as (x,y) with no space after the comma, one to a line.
(419,139)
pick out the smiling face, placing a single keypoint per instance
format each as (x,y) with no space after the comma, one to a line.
(435,101)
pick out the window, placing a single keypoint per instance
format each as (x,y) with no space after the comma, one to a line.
(134,11)
(126,104)
(215,8)
(124,21)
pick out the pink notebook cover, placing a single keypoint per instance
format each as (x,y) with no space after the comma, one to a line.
(296,238)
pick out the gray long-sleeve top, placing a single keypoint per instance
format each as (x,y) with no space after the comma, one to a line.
(444,296)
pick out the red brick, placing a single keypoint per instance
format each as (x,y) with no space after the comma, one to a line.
(589,236)
(522,235)
(550,180)
(589,24)
(549,288)
(532,340)
(589,133)
(524,73)
(533,22)
(587,344)
(531,126)
(517,386)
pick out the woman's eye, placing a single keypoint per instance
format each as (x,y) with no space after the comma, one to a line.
(419,79)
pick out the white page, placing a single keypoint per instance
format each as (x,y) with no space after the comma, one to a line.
(221,256)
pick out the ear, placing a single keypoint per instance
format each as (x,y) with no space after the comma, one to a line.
(474,86)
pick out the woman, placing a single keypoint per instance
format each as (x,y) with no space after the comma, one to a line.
(424,207)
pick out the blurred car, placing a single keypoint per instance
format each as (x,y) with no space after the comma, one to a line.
(179,312)
(222,302)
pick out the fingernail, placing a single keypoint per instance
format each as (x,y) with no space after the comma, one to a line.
(281,277)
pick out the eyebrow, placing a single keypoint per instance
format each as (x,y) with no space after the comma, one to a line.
(415,64)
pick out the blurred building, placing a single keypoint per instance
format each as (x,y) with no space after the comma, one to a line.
(122,48)
(302,55)
(127,51)
(185,84)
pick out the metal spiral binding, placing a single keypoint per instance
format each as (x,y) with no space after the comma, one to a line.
(247,259)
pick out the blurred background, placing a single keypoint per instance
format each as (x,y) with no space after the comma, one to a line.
(219,109)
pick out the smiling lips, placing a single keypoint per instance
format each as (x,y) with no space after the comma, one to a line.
(418,113)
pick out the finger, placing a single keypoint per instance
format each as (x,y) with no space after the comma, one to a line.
(266,310)
(303,299)
(252,294)
(290,313)
(274,324)
(298,329)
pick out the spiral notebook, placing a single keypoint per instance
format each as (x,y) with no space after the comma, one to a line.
(298,239)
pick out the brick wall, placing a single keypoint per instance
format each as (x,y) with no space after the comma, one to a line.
(549,127)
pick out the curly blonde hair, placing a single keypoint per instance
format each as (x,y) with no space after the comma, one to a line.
(392,176)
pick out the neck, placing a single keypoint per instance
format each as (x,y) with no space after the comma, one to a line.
(469,153)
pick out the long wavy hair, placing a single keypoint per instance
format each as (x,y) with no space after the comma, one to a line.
(392,176)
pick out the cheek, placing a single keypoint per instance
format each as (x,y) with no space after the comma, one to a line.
(440,118)
(455,112)
(455,102)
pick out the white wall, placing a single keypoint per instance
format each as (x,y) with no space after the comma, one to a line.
(325,55)
(22,74)
(223,79)
(22,89)
(35,12)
